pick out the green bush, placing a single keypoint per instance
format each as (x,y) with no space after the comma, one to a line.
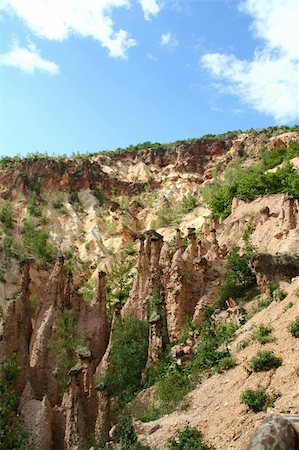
(7,246)
(293,328)
(257,399)
(239,278)
(247,183)
(264,360)
(65,344)
(226,363)
(188,203)
(13,433)
(288,306)
(75,201)
(172,389)
(188,439)
(87,289)
(128,438)
(6,215)
(99,194)
(37,241)
(32,205)
(127,359)
(279,294)
(58,201)
(124,202)
(167,215)
(262,334)
(119,279)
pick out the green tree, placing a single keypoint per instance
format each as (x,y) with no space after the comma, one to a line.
(13,433)
(6,215)
(37,241)
(127,359)
(68,339)
(119,279)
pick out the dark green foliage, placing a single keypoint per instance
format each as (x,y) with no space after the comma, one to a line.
(264,360)
(69,261)
(247,183)
(32,205)
(279,294)
(68,339)
(226,363)
(212,336)
(188,439)
(75,201)
(120,278)
(7,244)
(240,277)
(99,194)
(293,328)
(37,241)
(127,359)
(167,215)
(6,215)
(262,334)
(174,382)
(172,389)
(257,399)
(128,438)
(13,434)
(58,201)
(221,202)
(188,203)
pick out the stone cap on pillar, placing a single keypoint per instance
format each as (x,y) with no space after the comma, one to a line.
(83,352)
(25,262)
(75,370)
(200,261)
(154,235)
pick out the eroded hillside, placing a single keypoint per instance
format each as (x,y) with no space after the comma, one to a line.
(142,273)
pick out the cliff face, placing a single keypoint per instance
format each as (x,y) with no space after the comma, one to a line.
(93,209)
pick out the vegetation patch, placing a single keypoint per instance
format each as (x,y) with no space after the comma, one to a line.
(65,344)
(264,360)
(257,399)
(239,278)
(13,433)
(247,183)
(37,241)
(127,360)
(6,215)
(188,203)
(293,328)
(188,439)
(262,334)
(119,279)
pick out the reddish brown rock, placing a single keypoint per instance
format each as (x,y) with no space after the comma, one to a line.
(17,328)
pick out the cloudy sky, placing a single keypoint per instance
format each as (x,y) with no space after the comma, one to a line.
(89,75)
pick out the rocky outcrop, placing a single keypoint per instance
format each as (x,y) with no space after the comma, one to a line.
(17,328)
(93,320)
(269,268)
(276,431)
(38,418)
(42,360)
(103,420)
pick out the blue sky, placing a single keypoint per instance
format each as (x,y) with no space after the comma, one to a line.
(90,75)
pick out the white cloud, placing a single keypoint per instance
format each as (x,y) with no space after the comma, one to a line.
(59,19)
(28,60)
(270,81)
(150,8)
(168,40)
(152,57)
